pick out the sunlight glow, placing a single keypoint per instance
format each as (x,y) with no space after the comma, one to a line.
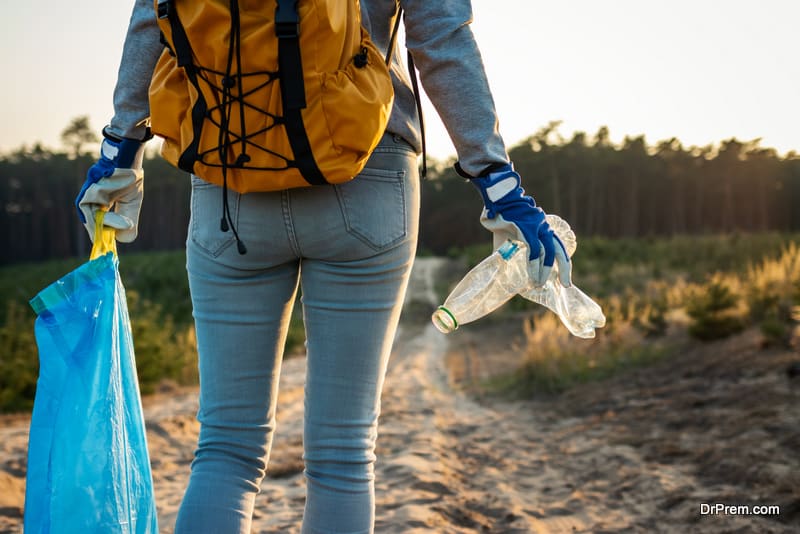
(699,71)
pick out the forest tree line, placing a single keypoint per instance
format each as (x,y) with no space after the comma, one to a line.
(628,189)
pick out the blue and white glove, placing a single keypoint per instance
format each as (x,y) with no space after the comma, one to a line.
(510,214)
(114,184)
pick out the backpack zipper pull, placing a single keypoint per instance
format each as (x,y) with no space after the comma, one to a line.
(360,59)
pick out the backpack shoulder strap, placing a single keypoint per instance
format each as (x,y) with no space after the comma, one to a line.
(183,56)
(183,51)
(293,92)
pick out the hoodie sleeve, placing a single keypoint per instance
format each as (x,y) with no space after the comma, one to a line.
(139,56)
(451,71)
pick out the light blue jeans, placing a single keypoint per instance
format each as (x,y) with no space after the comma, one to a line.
(350,247)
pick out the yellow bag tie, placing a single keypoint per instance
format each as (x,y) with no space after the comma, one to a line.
(105,240)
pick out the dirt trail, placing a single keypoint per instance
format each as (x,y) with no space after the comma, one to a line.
(601,460)
(619,456)
(468,467)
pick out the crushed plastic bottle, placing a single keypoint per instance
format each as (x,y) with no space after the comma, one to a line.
(579,313)
(504,274)
(485,288)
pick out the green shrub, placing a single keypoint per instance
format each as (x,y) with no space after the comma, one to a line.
(164,351)
(652,319)
(19,363)
(773,292)
(775,332)
(715,310)
(160,277)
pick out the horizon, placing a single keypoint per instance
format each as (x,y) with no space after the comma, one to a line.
(699,72)
(563,138)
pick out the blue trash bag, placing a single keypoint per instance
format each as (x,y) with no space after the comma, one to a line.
(88,465)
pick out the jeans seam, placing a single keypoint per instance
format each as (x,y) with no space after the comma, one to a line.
(288,223)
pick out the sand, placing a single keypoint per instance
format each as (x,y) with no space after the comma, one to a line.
(637,453)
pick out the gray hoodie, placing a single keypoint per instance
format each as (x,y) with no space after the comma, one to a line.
(437,34)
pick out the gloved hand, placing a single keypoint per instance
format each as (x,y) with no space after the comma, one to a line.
(510,214)
(115,184)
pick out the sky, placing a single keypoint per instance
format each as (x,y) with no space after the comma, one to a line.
(699,70)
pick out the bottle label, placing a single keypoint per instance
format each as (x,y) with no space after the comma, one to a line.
(508,249)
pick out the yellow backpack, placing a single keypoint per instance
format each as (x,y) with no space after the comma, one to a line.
(245,87)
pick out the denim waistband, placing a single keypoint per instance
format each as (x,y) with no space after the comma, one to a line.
(393,140)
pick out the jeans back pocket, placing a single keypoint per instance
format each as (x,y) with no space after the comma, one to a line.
(374,207)
(207,211)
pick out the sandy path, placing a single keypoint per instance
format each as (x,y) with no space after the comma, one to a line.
(446,463)
(449,464)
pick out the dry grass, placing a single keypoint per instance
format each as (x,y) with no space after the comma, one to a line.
(647,325)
